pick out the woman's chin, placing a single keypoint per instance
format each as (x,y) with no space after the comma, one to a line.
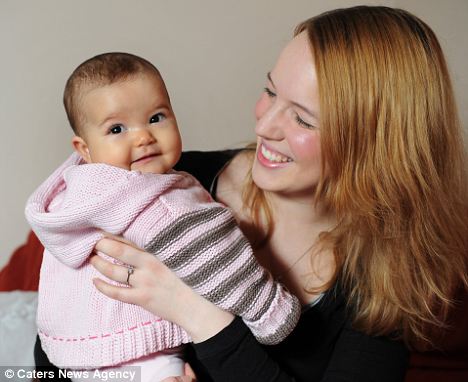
(264,178)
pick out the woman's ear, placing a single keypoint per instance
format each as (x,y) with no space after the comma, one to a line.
(81,147)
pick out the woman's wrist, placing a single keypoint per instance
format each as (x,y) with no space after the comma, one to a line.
(202,319)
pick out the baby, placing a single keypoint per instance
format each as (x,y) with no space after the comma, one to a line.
(120,180)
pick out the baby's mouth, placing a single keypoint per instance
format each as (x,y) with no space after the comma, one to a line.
(149,156)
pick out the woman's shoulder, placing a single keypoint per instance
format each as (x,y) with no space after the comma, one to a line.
(222,173)
(231,180)
(205,165)
(233,175)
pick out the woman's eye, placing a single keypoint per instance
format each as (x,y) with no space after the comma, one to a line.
(269,93)
(116,129)
(157,118)
(303,123)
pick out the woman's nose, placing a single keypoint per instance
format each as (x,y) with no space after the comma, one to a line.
(269,123)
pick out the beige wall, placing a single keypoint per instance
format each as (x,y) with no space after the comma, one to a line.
(213,54)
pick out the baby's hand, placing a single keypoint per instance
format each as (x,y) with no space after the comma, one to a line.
(188,377)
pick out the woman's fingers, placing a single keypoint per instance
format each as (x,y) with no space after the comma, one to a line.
(118,238)
(112,271)
(123,251)
(118,293)
(119,273)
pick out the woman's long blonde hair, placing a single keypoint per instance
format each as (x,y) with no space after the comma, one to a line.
(394,168)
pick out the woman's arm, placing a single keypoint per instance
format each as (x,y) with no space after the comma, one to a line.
(323,347)
(226,348)
(157,289)
(235,355)
(361,357)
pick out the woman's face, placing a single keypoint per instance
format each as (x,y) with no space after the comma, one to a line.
(288,137)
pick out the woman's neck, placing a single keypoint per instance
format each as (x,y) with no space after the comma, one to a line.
(291,253)
(300,212)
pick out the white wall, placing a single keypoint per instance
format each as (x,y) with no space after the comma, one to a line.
(214,55)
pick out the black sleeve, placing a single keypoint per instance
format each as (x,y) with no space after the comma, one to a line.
(359,357)
(235,355)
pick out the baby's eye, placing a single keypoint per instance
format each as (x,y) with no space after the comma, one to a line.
(158,117)
(117,129)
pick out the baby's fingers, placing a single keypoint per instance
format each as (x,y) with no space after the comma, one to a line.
(179,379)
(189,371)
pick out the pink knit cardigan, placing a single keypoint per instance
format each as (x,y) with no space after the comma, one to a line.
(171,216)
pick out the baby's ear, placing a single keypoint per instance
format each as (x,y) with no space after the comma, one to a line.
(81,147)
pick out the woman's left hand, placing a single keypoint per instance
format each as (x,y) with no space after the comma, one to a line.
(154,287)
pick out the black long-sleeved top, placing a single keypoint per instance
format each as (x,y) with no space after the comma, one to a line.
(323,346)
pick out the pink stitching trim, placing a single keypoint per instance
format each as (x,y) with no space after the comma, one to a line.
(102,335)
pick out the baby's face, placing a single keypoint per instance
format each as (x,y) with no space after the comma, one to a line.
(130,124)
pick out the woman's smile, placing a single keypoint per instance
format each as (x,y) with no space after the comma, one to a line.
(271,158)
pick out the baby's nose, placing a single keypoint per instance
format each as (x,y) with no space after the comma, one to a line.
(142,136)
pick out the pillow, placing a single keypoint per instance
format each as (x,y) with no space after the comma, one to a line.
(17,328)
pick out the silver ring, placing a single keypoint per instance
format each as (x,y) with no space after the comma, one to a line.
(130,271)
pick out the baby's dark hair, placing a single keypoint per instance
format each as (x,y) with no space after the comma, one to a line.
(103,69)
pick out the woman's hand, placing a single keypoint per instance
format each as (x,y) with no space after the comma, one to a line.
(157,289)
(152,285)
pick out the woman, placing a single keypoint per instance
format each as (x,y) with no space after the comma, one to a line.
(355,200)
